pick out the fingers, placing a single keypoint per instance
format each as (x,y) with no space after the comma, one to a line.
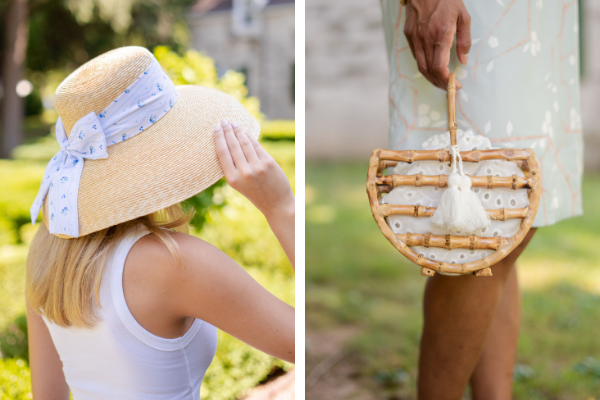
(223,152)
(260,152)
(430,34)
(408,29)
(415,41)
(463,37)
(441,56)
(236,149)
(237,154)
(245,143)
(429,48)
(421,59)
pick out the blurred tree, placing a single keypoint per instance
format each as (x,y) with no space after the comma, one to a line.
(63,34)
(91,27)
(16,33)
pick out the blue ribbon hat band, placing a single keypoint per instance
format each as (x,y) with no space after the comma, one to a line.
(141,105)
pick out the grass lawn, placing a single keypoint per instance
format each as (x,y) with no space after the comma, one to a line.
(238,229)
(356,281)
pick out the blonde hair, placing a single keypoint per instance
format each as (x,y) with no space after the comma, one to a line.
(64,275)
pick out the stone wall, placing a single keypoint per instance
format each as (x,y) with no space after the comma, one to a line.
(346,79)
(590,84)
(267,58)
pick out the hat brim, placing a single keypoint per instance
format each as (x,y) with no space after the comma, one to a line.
(169,162)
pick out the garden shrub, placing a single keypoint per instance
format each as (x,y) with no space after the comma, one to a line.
(278,129)
(20,183)
(13,340)
(233,225)
(194,68)
(15,380)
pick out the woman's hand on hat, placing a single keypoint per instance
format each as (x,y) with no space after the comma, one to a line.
(430,28)
(250,170)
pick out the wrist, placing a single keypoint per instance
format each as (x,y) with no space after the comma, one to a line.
(283,210)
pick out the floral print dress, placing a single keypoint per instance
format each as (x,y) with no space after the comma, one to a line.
(520,90)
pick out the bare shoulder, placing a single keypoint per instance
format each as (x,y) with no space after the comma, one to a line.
(150,256)
(164,296)
(150,262)
(157,288)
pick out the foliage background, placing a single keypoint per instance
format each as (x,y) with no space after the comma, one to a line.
(232,224)
(364,298)
(223,218)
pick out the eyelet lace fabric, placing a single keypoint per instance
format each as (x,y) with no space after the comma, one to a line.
(429,196)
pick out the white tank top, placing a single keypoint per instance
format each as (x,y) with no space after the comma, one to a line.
(118,359)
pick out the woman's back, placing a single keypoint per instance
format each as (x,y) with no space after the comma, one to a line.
(119,358)
(112,307)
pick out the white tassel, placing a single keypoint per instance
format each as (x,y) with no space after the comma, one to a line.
(452,211)
(478,216)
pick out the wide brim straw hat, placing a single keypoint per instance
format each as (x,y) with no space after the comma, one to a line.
(170,161)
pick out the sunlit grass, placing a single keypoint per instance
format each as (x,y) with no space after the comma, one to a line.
(355,276)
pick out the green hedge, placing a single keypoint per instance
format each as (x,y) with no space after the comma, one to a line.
(13,340)
(15,380)
(234,226)
(278,130)
(20,184)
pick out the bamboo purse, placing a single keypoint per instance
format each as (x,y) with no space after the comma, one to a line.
(492,249)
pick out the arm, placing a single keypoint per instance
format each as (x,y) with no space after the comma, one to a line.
(430,28)
(214,288)
(47,378)
(250,170)
(210,285)
(282,223)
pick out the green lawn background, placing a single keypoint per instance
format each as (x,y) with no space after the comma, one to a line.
(355,277)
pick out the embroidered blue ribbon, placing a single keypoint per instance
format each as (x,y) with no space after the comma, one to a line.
(147,100)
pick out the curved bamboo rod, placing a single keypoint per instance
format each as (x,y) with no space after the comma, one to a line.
(500,214)
(489,181)
(449,242)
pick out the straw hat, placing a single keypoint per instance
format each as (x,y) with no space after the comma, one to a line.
(169,162)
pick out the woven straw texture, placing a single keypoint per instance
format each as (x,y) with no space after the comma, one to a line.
(161,166)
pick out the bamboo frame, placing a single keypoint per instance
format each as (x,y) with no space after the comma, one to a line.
(449,242)
(500,214)
(378,184)
(418,180)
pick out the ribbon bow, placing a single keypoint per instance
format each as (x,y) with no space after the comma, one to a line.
(147,100)
(62,174)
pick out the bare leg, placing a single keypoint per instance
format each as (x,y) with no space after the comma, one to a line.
(458,313)
(492,378)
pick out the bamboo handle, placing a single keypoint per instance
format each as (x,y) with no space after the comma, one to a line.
(452,110)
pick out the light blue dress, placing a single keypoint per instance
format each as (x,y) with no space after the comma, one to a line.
(520,89)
